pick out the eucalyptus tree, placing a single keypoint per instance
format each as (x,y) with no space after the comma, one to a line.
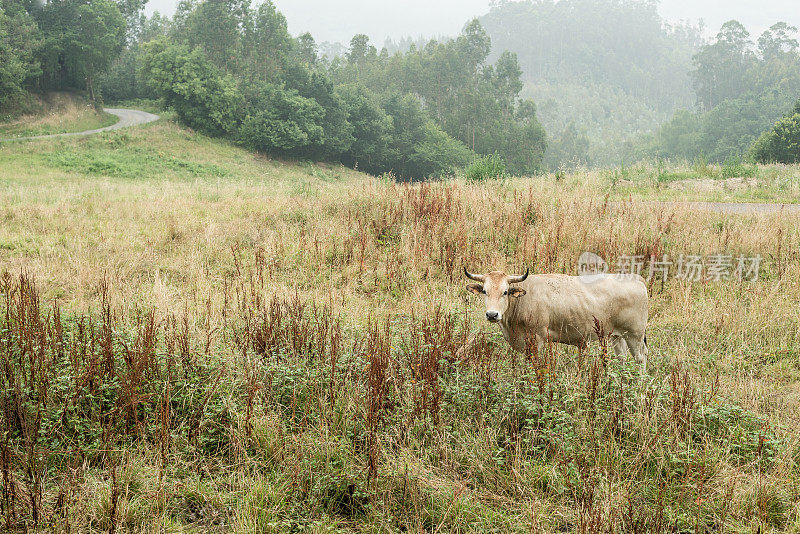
(721,68)
(19,41)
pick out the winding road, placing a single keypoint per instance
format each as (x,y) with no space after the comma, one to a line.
(127,117)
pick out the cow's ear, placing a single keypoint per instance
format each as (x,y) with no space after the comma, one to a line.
(475,288)
(516,292)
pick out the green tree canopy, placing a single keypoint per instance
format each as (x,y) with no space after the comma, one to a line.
(19,42)
(81,39)
(372,129)
(202,96)
(782,143)
(721,68)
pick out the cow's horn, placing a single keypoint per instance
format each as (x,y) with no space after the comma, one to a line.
(515,279)
(477,277)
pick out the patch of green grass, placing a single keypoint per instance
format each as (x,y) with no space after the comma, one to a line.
(676,176)
(159,151)
(129,162)
(737,168)
(490,167)
(701,182)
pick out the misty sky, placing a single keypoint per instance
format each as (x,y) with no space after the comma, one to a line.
(339,20)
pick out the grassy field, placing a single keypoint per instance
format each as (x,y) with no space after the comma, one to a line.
(57,113)
(195,338)
(733,181)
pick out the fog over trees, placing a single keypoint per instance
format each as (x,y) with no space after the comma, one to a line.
(741,87)
(599,69)
(606,74)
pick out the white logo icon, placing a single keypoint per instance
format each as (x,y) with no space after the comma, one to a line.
(591,267)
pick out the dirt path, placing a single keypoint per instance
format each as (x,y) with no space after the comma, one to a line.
(127,117)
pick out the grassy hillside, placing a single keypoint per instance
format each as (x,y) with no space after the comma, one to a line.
(217,341)
(56,113)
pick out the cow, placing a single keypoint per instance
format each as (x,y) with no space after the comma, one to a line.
(567,309)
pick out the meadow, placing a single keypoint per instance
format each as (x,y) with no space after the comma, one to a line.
(196,338)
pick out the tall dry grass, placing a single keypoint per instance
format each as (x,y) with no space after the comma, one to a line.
(259,355)
(57,112)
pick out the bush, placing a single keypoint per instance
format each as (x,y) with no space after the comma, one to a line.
(490,167)
(280,121)
(203,97)
(736,168)
(436,153)
(419,148)
(782,143)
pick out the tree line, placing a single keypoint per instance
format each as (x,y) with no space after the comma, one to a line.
(612,81)
(742,88)
(231,69)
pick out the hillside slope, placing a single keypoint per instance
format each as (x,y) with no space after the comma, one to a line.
(54,113)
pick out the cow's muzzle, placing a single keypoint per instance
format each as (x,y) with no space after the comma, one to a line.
(492,316)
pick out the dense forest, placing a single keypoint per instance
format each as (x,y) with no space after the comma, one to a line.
(614,82)
(59,45)
(609,80)
(602,71)
(231,69)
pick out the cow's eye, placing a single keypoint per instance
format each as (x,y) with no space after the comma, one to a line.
(483,291)
(505,293)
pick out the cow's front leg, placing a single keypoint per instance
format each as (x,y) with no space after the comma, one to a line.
(619,346)
(638,348)
(518,338)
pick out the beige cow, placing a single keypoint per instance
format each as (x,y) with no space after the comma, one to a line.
(563,309)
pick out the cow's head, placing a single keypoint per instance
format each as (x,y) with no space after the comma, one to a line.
(496,290)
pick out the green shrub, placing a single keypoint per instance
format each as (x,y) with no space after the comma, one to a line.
(735,167)
(490,167)
(281,121)
(782,143)
(203,97)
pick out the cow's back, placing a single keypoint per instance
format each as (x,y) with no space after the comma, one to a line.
(568,305)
